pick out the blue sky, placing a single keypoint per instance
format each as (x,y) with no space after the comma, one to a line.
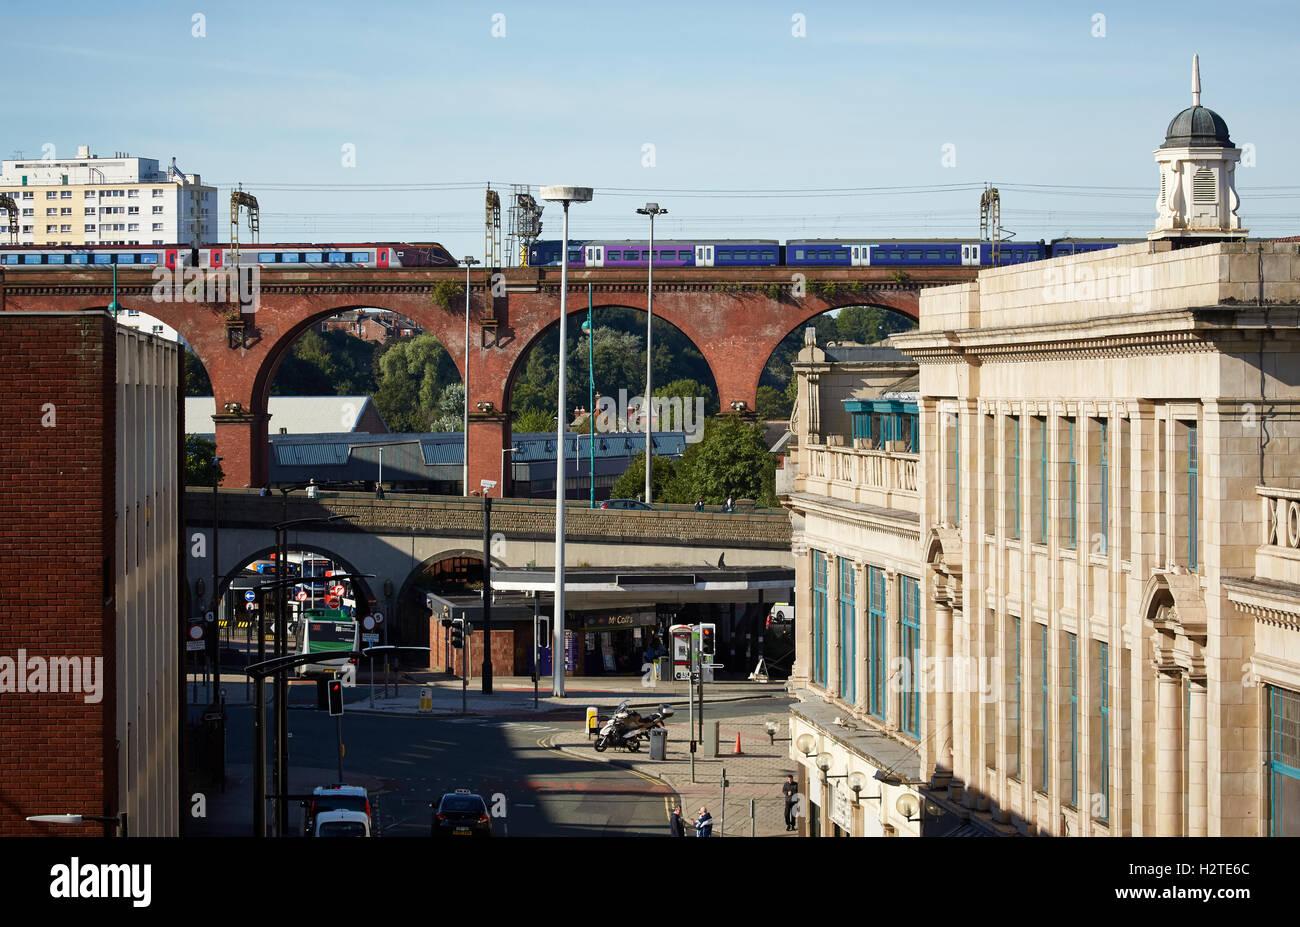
(729,98)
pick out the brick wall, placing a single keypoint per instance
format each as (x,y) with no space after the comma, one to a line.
(57,408)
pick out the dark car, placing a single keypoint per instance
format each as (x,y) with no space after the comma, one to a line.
(627,504)
(461,814)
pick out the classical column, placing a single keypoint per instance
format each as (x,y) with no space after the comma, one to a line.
(1197,739)
(1169,753)
(943,694)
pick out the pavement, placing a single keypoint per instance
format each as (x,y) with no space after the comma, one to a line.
(754,775)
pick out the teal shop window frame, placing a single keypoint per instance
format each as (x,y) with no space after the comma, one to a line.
(878,643)
(819,618)
(848,636)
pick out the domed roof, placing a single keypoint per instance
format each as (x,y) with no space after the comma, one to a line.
(1197,127)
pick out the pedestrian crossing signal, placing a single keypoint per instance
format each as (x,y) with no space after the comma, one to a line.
(336,697)
(458,633)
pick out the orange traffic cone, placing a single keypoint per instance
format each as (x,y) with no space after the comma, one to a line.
(737,750)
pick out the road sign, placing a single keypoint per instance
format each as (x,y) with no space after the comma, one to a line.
(368,623)
(487,484)
(250,595)
(379,617)
(196,638)
(331,601)
(209,616)
(337,589)
(302,595)
(250,606)
(371,638)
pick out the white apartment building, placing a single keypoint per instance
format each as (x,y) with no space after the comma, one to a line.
(91,200)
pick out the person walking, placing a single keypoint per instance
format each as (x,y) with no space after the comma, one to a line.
(379,490)
(731,504)
(791,792)
(676,827)
(311,488)
(699,503)
(704,824)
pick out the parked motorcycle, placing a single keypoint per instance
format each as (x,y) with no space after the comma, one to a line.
(627,728)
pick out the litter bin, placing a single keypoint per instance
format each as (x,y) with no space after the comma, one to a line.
(658,744)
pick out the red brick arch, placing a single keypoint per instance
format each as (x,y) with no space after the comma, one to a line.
(735,317)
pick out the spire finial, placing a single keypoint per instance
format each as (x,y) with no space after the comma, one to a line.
(1196,80)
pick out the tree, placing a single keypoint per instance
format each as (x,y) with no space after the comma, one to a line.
(451,409)
(631,485)
(200,465)
(196,376)
(773,404)
(732,459)
(412,376)
(533,421)
(868,324)
(689,390)
(332,363)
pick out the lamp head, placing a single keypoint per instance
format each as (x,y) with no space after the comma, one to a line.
(806,744)
(823,761)
(566,194)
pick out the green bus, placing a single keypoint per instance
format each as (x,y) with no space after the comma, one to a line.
(326,630)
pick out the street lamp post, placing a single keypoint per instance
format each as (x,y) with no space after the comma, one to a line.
(216,600)
(564,195)
(509,450)
(651,210)
(589,329)
(464,486)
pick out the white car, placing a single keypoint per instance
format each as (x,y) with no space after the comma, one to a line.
(341,824)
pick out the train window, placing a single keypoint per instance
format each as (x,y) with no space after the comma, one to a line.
(724,255)
(32,258)
(574,256)
(769,254)
(289,257)
(360,257)
(147,258)
(126,259)
(9,259)
(335,257)
(950,255)
(312,257)
(683,255)
(914,255)
(932,255)
(103,259)
(631,255)
(798,254)
(56,259)
(81,259)
(266,257)
(823,255)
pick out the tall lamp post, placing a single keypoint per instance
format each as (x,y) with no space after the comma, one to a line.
(565,196)
(651,210)
(588,329)
(216,599)
(464,485)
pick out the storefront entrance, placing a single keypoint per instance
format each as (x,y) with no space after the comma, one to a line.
(617,643)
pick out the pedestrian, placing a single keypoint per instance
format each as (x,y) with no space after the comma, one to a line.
(676,828)
(379,490)
(266,490)
(311,488)
(731,504)
(699,503)
(791,793)
(704,824)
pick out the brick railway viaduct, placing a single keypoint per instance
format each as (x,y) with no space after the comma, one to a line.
(736,317)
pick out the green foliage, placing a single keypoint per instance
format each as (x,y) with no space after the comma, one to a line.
(200,468)
(731,459)
(631,485)
(533,421)
(867,324)
(196,376)
(331,363)
(413,374)
(772,291)
(689,390)
(773,404)
(450,409)
(901,276)
(447,293)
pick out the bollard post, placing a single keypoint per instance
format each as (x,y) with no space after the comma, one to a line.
(751,817)
(722,823)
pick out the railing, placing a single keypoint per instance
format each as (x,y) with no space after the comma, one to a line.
(882,470)
(1279,516)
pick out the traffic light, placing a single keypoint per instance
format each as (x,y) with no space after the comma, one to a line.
(336,697)
(445,620)
(706,640)
(458,633)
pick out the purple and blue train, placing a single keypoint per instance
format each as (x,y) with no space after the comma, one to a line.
(820,252)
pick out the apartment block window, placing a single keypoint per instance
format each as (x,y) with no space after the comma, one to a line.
(52,211)
(158,227)
(51,194)
(89,211)
(65,194)
(878,641)
(157,193)
(29,212)
(848,631)
(65,228)
(819,617)
(29,194)
(132,194)
(51,228)
(90,194)
(133,210)
(1072,643)
(1101,731)
(65,211)
(133,227)
(157,210)
(910,642)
